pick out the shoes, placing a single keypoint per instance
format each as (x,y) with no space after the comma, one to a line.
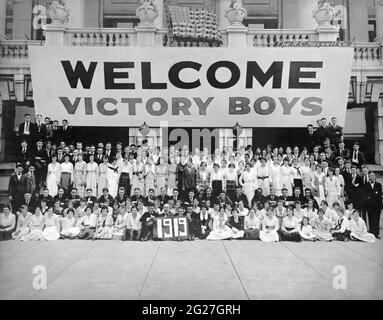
(377,237)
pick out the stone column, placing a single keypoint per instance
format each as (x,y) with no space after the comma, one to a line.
(379,19)
(3,7)
(54,34)
(358,15)
(76,13)
(379,133)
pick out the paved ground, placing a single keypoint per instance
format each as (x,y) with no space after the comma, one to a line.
(190,270)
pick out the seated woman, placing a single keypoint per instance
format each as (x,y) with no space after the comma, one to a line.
(51,230)
(35,226)
(235,224)
(104,229)
(359,229)
(280,211)
(290,227)
(243,212)
(219,229)
(87,224)
(321,227)
(311,211)
(22,223)
(341,231)
(270,226)
(252,226)
(306,231)
(133,225)
(69,228)
(120,224)
(350,210)
(298,211)
(7,223)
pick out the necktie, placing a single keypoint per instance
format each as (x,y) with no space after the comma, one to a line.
(27,128)
(354,157)
(23,150)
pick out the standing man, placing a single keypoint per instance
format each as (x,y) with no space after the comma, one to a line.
(29,181)
(16,187)
(66,132)
(41,164)
(372,194)
(27,129)
(322,130)
(41,131)
(334,132)
(357,157)
(309,138)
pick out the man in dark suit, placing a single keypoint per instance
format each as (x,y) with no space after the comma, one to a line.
(16,187)
(162,197)
(108,151)
(310,138)
(60,155)
(30,202)
(40,162)
(238,196)
(334,132)
(357,157)
(342,151)
(27,129)
(40,129)
(137,196)
(297,196)
(372,200)
(321,132)
(89,197)
(66,132)
(99,157)
(24,154)
(56,135)
(352,188)
(29,181)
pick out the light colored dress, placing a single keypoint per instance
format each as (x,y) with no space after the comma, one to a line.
(119,227)
(113,176)
(307,175)
(102,177)
(104,228)
(264,184)
(53,178)
(22,228)
(318,185)
(321,229)
(341,184)
(69,228)
(359,231)
(271,224)
(79,177)
(172,169)
(138,179)
(220,230)
(92,177)
(150,178)
(287,179)
(162,176)
(51,230)
(307,233)
(275,177)
(35,226)
(249,182)
(333,189)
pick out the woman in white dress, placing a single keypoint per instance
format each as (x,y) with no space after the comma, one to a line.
(162,175)
(332,188)
(359,229)
(53,176)
(307,174)
(263,177)
(36,225)
(69,228)
(275,176)
(113,176)
(287,176)
(311,212)
(150,175)
(248,181)
(252,226)
(92,176)
(270,226)
(306,231)
(102,181)
(289,230)
(219,229)
(280,211)
(51,230)
(22,224)
(341,185)
(120,225)
(66,178)
(318,185)
(79,176)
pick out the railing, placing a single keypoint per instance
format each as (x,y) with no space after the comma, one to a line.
(102,37)
(16,49)
(267,37)
(368,52)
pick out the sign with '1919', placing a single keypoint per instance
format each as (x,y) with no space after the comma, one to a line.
(171,228)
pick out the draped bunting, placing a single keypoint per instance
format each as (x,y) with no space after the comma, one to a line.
(187,24)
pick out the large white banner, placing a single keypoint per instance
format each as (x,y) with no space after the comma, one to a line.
(192,87)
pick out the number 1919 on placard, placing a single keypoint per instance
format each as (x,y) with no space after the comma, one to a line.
(172,227)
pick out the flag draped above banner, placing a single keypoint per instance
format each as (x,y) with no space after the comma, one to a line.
(198,25)
(192,87)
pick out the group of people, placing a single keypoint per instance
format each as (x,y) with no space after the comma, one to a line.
(62,189)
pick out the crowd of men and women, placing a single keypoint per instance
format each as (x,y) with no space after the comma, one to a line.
(64,189)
